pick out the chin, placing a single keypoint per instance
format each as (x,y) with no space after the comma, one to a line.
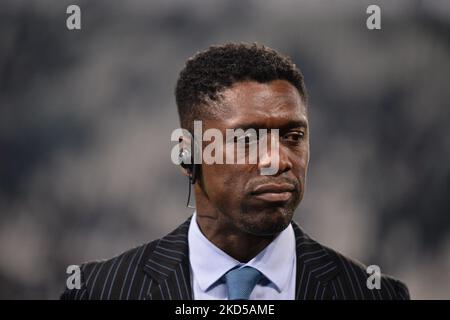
(266,222)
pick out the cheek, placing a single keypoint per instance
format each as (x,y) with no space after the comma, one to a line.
(305,157)
(216,180)
(223,182)
(301,161)
(211,180)
(304,163)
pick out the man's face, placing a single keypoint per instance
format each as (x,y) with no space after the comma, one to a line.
(251,202)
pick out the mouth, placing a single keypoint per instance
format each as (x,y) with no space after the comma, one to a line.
(273,192)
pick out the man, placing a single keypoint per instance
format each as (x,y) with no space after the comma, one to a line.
(241,242)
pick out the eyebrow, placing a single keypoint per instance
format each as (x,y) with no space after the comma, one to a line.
(299,123)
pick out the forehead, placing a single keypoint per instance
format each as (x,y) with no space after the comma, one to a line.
(267,105)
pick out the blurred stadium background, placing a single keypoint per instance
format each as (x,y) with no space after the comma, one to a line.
(86,117)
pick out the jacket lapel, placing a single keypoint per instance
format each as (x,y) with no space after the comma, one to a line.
(168,266)
(315,267)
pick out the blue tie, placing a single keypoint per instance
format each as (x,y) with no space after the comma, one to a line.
(241,282)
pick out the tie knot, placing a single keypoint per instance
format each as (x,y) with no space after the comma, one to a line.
(241,282)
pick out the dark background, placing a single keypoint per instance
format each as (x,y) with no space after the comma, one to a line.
(86,118)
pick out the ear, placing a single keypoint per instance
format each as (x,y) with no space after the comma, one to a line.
(185,144)
(185,171)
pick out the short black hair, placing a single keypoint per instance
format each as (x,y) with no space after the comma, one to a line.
(209,72)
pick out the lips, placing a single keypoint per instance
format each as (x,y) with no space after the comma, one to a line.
(273,192)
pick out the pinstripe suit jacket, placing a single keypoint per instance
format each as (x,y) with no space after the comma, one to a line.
(160,270)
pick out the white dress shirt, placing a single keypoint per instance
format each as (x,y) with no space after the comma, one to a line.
(277,262)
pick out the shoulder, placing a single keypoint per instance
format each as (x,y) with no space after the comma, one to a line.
(120,277)
(355,280)
(344,277)
(131,274)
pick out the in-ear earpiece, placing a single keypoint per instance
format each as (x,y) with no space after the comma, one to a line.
(187,162)
(185,158)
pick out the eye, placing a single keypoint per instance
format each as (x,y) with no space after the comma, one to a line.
(294,136)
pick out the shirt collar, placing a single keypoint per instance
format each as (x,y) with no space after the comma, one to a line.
(209,263)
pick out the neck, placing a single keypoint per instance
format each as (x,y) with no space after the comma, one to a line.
(240,245)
